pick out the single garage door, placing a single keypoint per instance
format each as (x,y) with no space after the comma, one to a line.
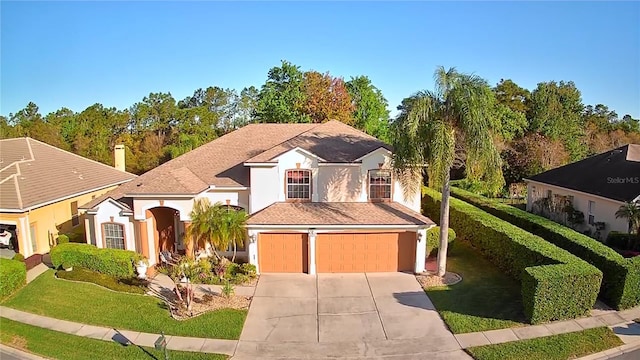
(283,252)
(365,252)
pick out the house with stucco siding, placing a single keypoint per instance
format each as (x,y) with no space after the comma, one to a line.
(321,198)
(597,186)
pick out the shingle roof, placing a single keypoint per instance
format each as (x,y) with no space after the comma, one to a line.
(33,173)
(613,174)
(343,213)
(221,161)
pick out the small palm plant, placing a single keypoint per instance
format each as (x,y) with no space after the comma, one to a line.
(631,212)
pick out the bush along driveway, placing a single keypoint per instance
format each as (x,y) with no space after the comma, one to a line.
(94,305)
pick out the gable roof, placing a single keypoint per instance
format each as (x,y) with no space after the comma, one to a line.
(221,161)
(613,174)
(338,213)
(33,174)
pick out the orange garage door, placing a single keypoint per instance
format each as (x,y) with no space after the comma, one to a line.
(365,252)
(283,252)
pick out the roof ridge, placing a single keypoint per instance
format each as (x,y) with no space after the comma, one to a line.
(289,139)
(17,186)
(76,155)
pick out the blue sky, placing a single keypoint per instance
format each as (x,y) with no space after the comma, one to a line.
(75,54)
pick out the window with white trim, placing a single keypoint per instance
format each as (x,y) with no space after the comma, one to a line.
(298,184)
(379,185)
(592,209)
(113,235)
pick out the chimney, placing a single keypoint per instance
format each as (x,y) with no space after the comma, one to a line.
(118,157)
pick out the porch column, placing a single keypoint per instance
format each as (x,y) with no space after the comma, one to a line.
(144,238)
(188,244)
(87,229)
(312,252)
(252,250)
(421,250)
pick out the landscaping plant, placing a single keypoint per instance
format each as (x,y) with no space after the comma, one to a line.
(13,275)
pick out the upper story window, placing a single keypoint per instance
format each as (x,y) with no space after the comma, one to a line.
(298,184)
(113,236)
(379,185)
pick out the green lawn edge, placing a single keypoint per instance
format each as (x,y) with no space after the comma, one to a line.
(57,345)
(556,347)
(90,304)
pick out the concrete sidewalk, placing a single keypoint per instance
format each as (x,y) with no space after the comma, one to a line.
(215,346)
(620,321)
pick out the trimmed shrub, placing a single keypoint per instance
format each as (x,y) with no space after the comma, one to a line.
(621,278)
(109,282)
(114,262)
(555,284)
(13,275)
(18,257)
(433,239)
(623,241)
(62,239)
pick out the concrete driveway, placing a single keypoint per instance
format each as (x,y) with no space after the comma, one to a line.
(339,308)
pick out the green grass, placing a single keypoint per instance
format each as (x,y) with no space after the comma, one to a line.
(556,347)
(486,299)
(57,345)
(132,286)
(90,304)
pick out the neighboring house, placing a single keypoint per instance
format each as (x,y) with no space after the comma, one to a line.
(41,187)
(597,186)
(322,198)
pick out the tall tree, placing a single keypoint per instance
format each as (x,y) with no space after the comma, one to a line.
(326,98)
(556,112)
(370,113)
(512,96)
(281,98)
(427,129)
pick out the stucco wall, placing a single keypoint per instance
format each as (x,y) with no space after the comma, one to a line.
(604,211)
(109,212)
(339,183)
(264,187)
(48,221)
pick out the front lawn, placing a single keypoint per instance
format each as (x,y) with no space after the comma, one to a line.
(57,345)
(90,304)
(486,299)
(557,347)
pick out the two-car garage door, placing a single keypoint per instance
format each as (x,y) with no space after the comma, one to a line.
(338,252)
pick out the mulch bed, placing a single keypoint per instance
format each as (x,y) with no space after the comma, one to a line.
(208,303)
(428,279)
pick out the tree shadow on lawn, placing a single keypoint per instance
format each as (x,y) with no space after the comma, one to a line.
(485,299)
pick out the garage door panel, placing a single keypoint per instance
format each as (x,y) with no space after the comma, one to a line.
(365,252)
(283,252)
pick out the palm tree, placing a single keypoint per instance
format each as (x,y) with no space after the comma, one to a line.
(631,212)
(428,127)
(230,228)
(203,225)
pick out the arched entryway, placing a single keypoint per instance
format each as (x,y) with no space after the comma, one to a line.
(164,221)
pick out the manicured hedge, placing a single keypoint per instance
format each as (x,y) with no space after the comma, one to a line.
(555,284)
(623,241)
(621,277)
(13,275)
(114,262)
(79,274)
(433,239)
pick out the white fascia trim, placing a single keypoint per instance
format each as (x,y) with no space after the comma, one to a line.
(371,152)
(160,196)
(213,187)
(63,198)
(297,148)
(576,191)
(340,164)
(263,164)
(351,227)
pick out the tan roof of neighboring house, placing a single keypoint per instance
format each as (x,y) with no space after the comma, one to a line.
(33,174)
(343,213)
(221,161)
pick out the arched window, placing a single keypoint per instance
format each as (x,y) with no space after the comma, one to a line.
(113,236)
(298,184)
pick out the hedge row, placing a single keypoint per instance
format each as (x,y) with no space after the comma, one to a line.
(114,262)
(555,284)
(433,240)
(623,241)
(621,277)
(13,275)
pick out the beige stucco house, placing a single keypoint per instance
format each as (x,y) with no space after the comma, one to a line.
(597,186)
(321,198)
(41,188)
